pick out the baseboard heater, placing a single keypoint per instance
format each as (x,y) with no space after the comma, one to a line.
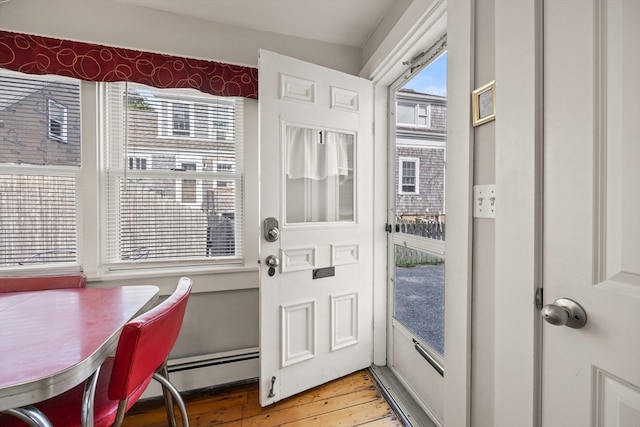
(214,359)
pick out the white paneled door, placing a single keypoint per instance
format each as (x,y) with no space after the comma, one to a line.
(591,375)
(316,197)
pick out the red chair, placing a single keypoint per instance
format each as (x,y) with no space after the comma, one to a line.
(142,352)
(38,283)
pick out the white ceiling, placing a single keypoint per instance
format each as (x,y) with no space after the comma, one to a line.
(346,22)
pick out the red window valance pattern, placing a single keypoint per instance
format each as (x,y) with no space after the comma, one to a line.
(33,54)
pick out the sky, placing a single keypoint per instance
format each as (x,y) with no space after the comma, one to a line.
(432,79)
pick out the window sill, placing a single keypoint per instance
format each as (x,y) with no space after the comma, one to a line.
(206,278)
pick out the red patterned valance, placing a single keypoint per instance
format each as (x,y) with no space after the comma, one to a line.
(43,55)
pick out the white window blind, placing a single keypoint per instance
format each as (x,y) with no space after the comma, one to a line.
(166,197)
(40,166)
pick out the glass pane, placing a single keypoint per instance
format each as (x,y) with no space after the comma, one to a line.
(319,183)
(419,295)
(158,220)
(38,216)
(420,198)
(39,120)
(406,113)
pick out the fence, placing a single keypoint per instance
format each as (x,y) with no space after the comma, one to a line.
(431,226)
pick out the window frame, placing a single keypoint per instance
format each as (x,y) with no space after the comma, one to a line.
(66,258)
(416,114)
(110,262)
(416,162)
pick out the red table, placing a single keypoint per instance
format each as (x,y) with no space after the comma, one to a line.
(52,340)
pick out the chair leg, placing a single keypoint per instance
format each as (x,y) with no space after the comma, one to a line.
(88,399)
(30,415)
(168,402)
(122,409)
(176,395)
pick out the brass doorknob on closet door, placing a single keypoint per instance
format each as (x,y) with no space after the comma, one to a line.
(565,312)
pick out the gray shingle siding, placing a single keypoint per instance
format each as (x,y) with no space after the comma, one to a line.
(430,197)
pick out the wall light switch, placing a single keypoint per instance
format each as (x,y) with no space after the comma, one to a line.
(484,201)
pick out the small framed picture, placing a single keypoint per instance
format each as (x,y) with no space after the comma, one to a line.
(483,102)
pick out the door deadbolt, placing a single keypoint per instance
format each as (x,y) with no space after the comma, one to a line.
(565,312)
(271,229)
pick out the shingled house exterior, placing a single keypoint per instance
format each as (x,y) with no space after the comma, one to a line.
(420,156)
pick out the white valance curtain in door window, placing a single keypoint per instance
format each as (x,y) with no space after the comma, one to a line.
(316,154)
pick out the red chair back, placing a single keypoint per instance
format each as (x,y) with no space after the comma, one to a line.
(146,341)
(38,283)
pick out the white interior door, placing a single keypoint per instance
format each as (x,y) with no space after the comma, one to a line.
(591,376)
(315,181)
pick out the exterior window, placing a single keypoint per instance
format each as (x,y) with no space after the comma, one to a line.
(413,114)
(406,113)
(189,185)
(173,119)
(223,168)
(57,121)
(181,120)
(40,181)
(137,163)
(423,116)
(171,207)
(220,119)
(409,175)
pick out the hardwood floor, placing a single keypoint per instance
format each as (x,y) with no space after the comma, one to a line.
(354,400)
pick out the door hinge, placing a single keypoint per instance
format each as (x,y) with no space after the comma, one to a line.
(538,298)
(388,228)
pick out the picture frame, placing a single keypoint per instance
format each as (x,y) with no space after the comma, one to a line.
(483,103)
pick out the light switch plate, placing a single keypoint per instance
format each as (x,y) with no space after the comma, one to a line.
(484,201)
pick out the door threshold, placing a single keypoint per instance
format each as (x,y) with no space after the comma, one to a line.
(408,410)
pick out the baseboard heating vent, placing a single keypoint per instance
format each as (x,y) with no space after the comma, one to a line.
(214,359)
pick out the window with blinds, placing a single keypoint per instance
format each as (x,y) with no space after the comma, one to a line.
(173,176)
(40,167)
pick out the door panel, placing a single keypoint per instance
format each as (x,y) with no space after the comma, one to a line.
(315,169)
(591,376)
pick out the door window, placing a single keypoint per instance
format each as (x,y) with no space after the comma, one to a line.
(319,182)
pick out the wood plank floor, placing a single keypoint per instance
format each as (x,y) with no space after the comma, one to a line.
(354,400)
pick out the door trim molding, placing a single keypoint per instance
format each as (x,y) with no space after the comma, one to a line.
(519,181)
(459,179)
